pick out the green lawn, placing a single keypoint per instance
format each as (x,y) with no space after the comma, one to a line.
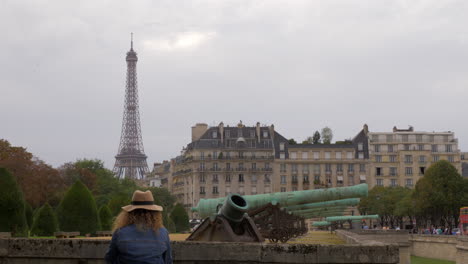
(420,260)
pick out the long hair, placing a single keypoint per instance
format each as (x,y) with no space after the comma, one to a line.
(143,219)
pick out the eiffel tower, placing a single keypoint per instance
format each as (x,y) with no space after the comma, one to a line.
(130,162)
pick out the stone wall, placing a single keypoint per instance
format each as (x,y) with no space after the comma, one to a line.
(89,251)
(451,248)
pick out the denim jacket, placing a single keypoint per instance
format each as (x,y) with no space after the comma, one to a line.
(131,245)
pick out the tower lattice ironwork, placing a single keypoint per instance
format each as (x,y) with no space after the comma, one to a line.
(130,162)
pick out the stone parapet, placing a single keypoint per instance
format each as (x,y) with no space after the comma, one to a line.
(92,251)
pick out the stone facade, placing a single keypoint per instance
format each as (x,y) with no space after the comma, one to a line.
(401,157)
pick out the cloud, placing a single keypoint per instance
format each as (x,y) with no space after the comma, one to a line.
(179,41)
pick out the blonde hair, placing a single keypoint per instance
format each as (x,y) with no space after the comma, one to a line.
(143,219)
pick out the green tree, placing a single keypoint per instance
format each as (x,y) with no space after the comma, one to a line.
(180,218)
(105,218)
(168,223)
(77,211)
(118,201)
(439,195)
(12,209)
(45,223)
(316,138)
(327,135)
(29,215)
(291,141)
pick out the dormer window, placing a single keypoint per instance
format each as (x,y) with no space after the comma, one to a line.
(239,133)
(228,134)
(281,146)
(265,134)
(252,133)
(215,134)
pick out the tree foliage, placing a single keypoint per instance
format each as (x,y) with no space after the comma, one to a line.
(77,211)
(439,195)
(29,215)
(12,207)
(105,218)
(327,135)
(316,138)
(291,141)
(180,218)
(45,223)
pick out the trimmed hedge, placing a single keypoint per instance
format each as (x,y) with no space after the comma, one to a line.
(45,223)
(105,217)
(12,209)
(77,211)
(180,218)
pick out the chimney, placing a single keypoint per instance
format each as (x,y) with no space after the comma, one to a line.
(272,131)
(221,131)
(366,129)
(198,130)
(257,130)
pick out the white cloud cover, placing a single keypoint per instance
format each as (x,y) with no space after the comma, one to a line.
(179,41)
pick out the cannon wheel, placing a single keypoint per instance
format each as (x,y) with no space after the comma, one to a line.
(284,237)
(274,235)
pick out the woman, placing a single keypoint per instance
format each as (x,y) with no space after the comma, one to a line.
(139,235)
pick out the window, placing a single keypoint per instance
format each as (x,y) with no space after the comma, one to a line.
(283,179)
(451,159)
(283,189)
(228,134)
(305,155)
(409,183)
(408,159)
(350,167)
(434,148)
(339,167)
(202,189)
(327,155)
(293,155)
(294,179)
(252,133)
(239,132)
(378,171)
(215,155)
(316,155)
(349,155)
(339,180)
(361,155)
(377,148)
(306,178)
(202,155)
(241,177)
(228,178)
(267,166)
(202,166)
(375,138)
(282,156)
(422,170)
(379,182)
(390,148)
(404,138)
(215,189)
(265,134)
(202,178)
(435,158)
(254,178)
(350,180)
(431,138)
(393,182)
(282,167)
(408,171)
(214,134)
(267,178)
(393,158)
(328,167)
(393,171)
(305,168)
(420,147)
(378,158)
(422,159)
(215,178)
(418,138)
(317,179)
(446,138)
(407,147)
(215,166)
(241,166)
(228,166)
(281,146)
(254,166)
(254,189)
(360,146)
(338,155)
(389,138)
(448,148)
(294,168)
(362,167)
(317,168)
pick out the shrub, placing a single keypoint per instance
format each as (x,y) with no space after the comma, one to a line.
(77,211)
(12,211)
(168,223)
(105,217)
(45,223)
(180,218)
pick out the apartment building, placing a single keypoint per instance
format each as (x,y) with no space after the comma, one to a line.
(464,161)
(313,166)
(401,157)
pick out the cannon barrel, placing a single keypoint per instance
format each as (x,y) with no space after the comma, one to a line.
(351,217)
(320,210)
(344,202)
(207,207)
(234,208)
(321,223)
(315,215)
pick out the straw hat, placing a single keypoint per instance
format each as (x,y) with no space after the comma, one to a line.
(142,200)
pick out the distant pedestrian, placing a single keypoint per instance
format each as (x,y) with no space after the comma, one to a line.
(139,235)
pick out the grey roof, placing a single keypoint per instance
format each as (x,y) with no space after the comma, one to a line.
(350,145)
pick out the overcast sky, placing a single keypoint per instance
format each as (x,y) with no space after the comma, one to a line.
(300,65)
